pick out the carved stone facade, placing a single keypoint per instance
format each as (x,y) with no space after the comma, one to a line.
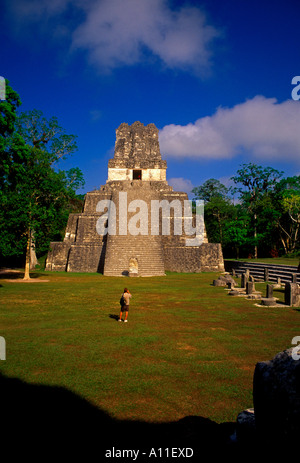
(137,154)
(100,241)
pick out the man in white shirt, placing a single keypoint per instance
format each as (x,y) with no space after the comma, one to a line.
(125,304)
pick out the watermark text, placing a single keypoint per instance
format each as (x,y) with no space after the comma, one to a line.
(296,89)
(2,88)
(162,218)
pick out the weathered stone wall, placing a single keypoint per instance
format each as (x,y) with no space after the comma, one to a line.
(207,257)
(127,174)
(276,398)
(137,147)
(57,257)
(87,228)
(71,229)
(88,257)
(211,257)
(137,141)
(93,198)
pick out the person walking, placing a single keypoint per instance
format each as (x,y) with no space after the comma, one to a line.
(124,304)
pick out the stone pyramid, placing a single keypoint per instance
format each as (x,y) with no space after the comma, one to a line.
(135,224)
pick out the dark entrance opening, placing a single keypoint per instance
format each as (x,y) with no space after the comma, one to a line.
(137,175)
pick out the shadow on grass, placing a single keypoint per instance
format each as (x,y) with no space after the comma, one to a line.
(115,317)
(39,421)
(11,274)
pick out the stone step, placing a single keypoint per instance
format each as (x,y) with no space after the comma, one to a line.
(257,270)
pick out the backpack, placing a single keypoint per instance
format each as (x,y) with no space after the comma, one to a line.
(122,300)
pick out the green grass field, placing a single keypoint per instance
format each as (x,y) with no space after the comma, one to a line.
(188,348)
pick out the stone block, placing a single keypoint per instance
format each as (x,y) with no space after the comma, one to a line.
(245,427)
(269,293)
(233,292)
(268,301)
(250,287)
(219,282)
(244,279)
(266,274)
(292,295)
(276,399)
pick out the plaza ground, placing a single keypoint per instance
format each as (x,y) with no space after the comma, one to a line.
(188,349)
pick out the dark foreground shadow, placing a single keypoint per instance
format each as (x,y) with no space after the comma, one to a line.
(11,274)
(52,423)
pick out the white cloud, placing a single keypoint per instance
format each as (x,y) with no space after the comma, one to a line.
(123,32)
(181,184)
(126,32)
(260,127)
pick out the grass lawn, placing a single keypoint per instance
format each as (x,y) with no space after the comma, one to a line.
(188,348)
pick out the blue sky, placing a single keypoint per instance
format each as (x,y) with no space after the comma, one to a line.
(213,76)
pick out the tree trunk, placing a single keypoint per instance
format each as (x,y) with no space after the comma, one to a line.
(27,259)
(283,243)
(33,258)
(255,235)
(220,228)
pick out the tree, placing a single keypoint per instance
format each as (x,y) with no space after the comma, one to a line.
(217,208)
(8,116)
(210,189)
(35,195)
(256,181)
(236,230)
(8,112)
(286,199)
(46,136)
(47,143)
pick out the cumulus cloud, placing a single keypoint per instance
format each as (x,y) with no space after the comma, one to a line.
(260,127)
(181,184)
(126,32)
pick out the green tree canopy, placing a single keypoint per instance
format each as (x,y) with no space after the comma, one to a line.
(265,216)
(217,209)
(35,195)
(210,189)
(286,206)
(255,182)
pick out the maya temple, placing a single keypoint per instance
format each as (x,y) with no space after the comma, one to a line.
(124,230)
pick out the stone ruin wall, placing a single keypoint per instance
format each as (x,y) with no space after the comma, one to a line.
(137,147)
